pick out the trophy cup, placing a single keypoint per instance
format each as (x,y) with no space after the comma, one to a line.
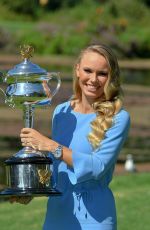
(29,172)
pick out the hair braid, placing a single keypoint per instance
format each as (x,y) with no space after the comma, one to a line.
(104,120)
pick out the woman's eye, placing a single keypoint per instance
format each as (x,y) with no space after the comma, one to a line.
(87,70)
(103,74)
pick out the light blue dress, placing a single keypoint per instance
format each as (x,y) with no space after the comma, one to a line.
(87,202)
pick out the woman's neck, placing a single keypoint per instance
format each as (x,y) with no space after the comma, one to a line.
(82,106)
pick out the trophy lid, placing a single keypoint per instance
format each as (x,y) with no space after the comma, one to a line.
(26,67)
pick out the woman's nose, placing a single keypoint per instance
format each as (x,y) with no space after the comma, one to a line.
(94,77)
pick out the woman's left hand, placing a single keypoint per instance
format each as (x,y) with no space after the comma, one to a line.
(32,138)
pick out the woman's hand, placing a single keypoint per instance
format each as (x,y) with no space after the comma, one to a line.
(20,199)
(34,139)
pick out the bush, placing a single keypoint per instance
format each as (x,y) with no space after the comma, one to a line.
(22,7)
(32,7)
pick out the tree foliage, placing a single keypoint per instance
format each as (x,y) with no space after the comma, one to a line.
(22,7)
(31,7)
(66,26)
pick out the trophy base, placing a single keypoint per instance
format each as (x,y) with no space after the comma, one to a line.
(9,192)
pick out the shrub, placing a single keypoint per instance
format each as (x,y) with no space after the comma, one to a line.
(22,7)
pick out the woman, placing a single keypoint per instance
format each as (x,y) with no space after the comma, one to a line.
(87,135)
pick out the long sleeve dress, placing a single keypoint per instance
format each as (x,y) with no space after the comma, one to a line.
(87,202)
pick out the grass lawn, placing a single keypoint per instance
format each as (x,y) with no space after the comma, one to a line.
(132,193)
(23,217)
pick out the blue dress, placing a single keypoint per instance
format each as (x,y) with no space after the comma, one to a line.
(87,202)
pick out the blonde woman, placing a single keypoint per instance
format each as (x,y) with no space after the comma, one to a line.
(88,133)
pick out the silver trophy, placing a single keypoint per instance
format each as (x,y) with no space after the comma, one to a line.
(29,172)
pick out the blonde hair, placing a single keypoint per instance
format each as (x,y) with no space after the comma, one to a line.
(111,102)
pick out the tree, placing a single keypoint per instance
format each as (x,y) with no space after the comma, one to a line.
(22,7)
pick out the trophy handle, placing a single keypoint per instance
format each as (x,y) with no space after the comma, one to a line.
(47,89)
(57,76)
(8,100)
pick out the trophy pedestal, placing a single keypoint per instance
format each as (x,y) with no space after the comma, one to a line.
(29,173)
(9,192)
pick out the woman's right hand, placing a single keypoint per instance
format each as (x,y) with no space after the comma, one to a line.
(20,199)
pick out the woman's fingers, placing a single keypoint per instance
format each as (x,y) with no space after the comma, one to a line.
(24,135)
(32,138)
(27,139)
(30,142)
(23,140)
(26,130)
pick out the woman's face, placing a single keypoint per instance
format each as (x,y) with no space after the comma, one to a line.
(92,72)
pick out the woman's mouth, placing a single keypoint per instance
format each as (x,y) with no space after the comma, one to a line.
(92,88)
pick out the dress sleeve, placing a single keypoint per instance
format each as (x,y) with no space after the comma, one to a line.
(96,164)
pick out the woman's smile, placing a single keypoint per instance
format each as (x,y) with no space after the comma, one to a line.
(92,88)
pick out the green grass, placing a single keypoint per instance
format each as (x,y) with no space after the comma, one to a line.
(22,217)
(132,195)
